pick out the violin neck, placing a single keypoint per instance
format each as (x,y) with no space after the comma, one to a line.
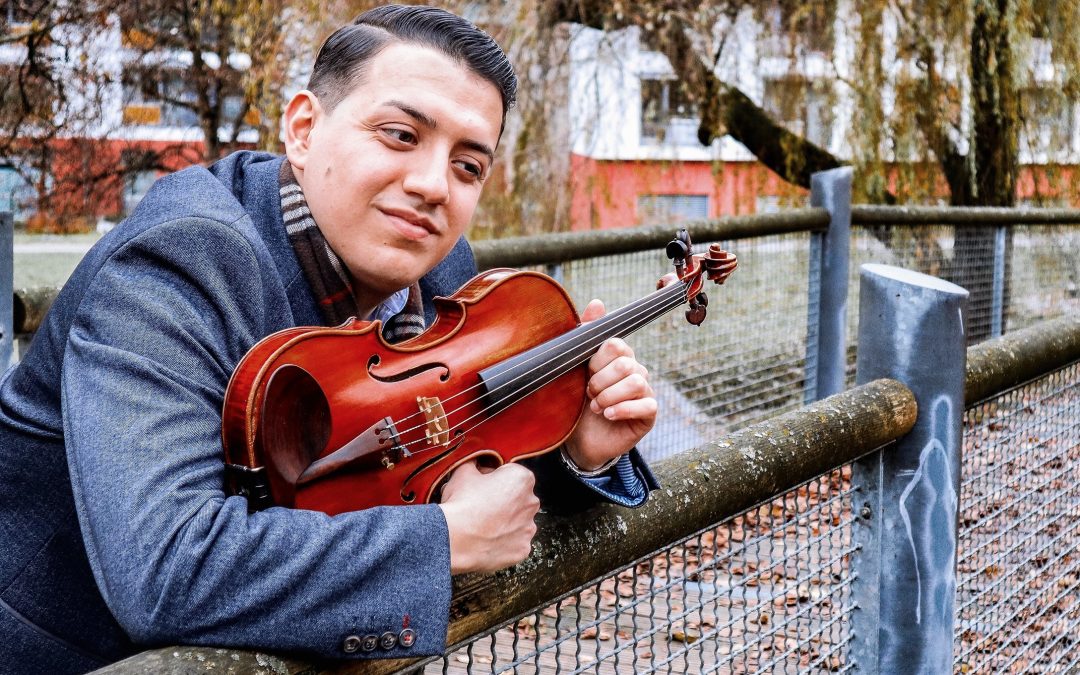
(515,378)
(627,319)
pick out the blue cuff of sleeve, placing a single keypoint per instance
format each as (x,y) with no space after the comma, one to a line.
(627,483)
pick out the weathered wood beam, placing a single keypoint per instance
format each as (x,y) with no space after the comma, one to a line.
(29,307)
(563,246)
(1019,356)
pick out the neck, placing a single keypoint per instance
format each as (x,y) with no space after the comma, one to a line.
(366,301)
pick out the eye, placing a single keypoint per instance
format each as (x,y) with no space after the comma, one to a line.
(401,135)
(472,168)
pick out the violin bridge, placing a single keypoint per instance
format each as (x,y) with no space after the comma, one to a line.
(436,426)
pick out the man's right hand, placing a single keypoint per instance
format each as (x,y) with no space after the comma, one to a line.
(490,517)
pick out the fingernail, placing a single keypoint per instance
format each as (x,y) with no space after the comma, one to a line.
(609,413)
(594,406)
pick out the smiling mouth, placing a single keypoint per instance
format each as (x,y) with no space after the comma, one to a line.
(410,225)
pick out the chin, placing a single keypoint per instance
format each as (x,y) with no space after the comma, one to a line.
(407,267)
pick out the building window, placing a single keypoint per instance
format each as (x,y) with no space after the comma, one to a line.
(671,209)
(18,13)
(667,114)
(767,204)
(136,186)
(791,23)
(1048,120)
(1046,19)
(801,106)
(140,173)
(17,194)
(159,98)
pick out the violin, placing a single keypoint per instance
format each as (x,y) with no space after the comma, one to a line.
(337,419)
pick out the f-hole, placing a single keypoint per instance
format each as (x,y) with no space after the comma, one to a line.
(374,361)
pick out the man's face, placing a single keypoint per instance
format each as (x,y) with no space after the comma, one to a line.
(392,175)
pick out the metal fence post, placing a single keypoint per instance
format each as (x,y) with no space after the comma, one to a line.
(904,572)
(555,271)
(826,339)
(7,271)
(997,311)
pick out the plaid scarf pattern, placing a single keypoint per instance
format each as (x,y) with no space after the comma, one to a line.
(329,279)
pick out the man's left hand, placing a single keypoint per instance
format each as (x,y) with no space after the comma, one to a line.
(621,408)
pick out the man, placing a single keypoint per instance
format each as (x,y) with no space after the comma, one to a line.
(115,529)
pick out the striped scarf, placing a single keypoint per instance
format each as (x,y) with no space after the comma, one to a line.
(329,279)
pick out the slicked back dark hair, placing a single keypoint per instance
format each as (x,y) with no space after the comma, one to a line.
(342,61)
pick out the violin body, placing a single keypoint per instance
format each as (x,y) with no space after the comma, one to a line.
(338,419)
(343,420)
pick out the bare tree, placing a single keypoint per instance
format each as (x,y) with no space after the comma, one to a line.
(208,62)
(84,75)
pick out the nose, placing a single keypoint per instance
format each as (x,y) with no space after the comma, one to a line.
(427,179)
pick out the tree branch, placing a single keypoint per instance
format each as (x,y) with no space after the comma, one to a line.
(725,109)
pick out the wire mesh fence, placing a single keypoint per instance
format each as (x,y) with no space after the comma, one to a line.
(747,362)
(1045,274)
(1018,564)
(743,364)
(1039,268)
(765,592)
(1037,272)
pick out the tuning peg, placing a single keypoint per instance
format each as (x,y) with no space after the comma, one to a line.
(696,312)
(677,250)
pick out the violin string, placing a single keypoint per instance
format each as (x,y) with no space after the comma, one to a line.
(645,307)
(641,319)
(523,393)
(650,312)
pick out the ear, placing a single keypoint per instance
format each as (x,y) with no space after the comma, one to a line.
(300,117)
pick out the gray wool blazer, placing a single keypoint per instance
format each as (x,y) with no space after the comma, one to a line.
(115,532)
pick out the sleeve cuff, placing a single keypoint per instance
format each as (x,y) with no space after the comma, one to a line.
(562,491)
(627,483)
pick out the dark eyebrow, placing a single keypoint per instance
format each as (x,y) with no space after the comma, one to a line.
(412,112)
(481,148)
(430,122)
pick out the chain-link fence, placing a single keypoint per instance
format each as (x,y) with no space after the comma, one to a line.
(1018,588)
(744,363)
(767,591)
(747,361)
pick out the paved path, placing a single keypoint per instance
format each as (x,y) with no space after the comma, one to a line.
(53,247)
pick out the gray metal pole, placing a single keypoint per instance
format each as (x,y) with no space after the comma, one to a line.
(826,339)
(7,271)
(997,312)
(904,573)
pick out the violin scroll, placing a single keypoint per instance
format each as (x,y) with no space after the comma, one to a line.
(717,265)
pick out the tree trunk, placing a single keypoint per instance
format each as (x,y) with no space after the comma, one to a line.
(995,111)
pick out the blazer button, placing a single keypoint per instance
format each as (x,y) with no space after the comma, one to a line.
(407,637)
(351,644)
(370,642)
(388,640)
